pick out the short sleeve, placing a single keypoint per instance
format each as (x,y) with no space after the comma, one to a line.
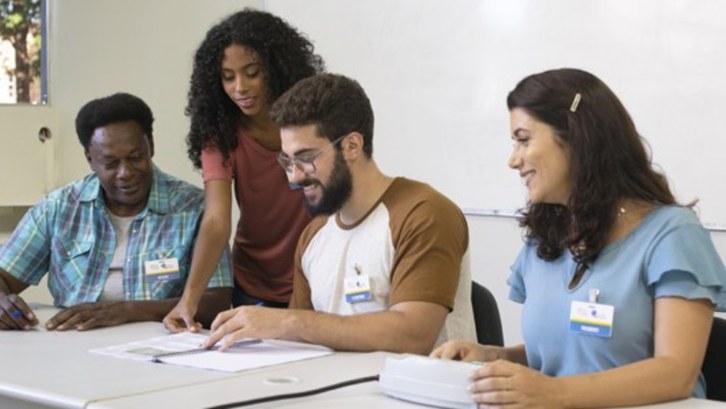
(213,165)
(684,263)
(430,237)
(517,292)
(301,297)
(26,255)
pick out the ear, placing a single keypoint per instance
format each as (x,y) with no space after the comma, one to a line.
(353,145)
(151,148)
(87,155)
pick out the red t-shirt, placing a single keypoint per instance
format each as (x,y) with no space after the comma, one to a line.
(272,217)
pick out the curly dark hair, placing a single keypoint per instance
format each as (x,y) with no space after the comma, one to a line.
(609,162)
(119,107)
(336,104)
(286,56)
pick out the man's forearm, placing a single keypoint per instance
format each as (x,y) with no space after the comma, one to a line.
(395,331)
(213,301)
(148,310)
(9,284)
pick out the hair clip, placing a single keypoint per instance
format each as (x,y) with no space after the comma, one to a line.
(575,102)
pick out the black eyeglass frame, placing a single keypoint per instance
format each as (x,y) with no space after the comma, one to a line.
(305,162)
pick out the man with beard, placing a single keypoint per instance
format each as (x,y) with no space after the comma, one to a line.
(117,244)
(384,264)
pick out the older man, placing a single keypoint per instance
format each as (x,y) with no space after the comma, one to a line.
(117,244)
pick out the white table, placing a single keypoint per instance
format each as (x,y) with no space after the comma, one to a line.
(54,369)
(42,369)
(311,374)
(278,380)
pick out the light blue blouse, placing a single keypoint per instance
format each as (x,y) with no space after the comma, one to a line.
(668,254)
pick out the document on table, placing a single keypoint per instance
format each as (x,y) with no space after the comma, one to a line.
(249,356)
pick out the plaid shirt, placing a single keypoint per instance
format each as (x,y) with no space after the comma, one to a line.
(69,235)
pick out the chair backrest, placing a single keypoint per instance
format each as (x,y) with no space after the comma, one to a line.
(486,316)
(714,364)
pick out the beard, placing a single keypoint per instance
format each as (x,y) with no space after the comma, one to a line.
(335,193)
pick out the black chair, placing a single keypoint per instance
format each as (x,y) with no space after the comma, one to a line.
(714,364)
(486,316)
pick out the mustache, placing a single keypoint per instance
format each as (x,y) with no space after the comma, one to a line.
(308,182)
(303,183)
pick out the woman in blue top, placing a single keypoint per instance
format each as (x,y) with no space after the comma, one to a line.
(618,282)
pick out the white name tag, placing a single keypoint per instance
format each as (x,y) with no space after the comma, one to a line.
(592,318)
(162,270)
(357,288)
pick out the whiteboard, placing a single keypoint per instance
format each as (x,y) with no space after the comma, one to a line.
(438,72)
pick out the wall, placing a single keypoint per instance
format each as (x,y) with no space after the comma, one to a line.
(438,73)
(494,243)
(143,47)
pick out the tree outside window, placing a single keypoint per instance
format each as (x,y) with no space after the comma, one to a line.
(21,35)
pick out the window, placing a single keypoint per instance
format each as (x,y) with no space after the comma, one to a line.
(22,52)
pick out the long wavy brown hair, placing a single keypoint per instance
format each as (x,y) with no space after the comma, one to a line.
(609,162)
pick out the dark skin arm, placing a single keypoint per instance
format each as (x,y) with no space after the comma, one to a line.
(212,303)
(109,313)
(14,312)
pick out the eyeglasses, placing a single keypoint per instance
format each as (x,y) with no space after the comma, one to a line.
(305,162)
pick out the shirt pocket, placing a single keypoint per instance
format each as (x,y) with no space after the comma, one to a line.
(70,259)
(166,288)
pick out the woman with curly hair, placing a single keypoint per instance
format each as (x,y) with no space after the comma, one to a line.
(618,282)
(244,63)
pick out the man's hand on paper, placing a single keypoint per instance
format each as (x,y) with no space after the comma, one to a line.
(247,322)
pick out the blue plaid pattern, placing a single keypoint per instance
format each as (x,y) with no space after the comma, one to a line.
(69,236)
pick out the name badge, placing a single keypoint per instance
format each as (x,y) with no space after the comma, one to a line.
(163,269)
(592,319)
(357,288)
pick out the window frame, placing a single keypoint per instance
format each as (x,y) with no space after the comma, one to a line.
(43,98)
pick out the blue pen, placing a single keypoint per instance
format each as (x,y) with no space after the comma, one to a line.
(16,314)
